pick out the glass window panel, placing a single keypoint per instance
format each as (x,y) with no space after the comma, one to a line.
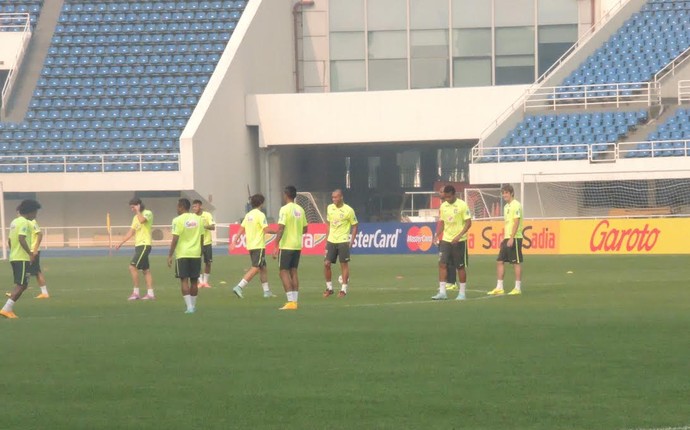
(347,76)
(471,13)
(387,75)
(386,14)
(429,73)
(347,46)
(512,13)
(557,12)
(514,40)
(387,44)
(472,42)
(429,43)
(346,15)
(409,165)
(513,70)
(428,14)
(471,72)
(554,41)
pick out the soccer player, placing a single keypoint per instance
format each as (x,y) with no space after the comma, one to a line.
(141,226)
(511,247)
(342,228)
(453,224)
(292,224)
(21,255)
(254,226)
(451,275)
(207,250)
(35,267)
(186,245)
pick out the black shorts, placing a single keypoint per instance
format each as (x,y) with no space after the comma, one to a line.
(289,259)
(453,255)
(511,255)
(141,257)
(187,268)
(258,257)
(207,253)
(35,267)
(337,251)
(20,272)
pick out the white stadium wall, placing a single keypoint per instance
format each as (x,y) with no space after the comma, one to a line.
(258,59)
(10,44)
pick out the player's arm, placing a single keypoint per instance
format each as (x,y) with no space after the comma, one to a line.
(516,225)
(140,216)
(281,230)
(23,243)
(465,229)
(353,233)
(173,245)
(439,231)
(128,236)
(39,239)
(238,239)
(211,225)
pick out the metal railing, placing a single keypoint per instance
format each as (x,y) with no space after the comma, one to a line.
(14,22)
(670,68)
(554,67)
(647,93)
(683,91)
(90,162)
(593,153)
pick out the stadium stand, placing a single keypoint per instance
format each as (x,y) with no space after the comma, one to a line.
(670,139)
(645,43)
(118,85)
(32,7)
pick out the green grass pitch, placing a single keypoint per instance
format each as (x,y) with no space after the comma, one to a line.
(605,347)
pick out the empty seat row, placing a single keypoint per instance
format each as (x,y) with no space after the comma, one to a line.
(115,6)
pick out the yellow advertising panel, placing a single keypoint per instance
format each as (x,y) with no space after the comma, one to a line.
(540,237)
(602,236)
(626,236)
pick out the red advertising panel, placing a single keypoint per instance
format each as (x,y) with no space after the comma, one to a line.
(313,243)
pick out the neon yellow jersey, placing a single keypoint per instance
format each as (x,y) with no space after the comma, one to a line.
(254,224)
(36,229)
(454,216)
(189,228)
(207,218)
(142,234)
(294,219)
(20,226)
(512,211)
(340,221)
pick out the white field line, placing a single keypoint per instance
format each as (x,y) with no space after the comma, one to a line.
(663,428)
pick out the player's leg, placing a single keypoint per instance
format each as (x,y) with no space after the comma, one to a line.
(263,276)
(21,281)
(288,276)
(194,274)
(258,259)
(517,266)
(451,280)
(329,260)
(41,279)
(461,260)
(500,268)
(344,257)
(444,257)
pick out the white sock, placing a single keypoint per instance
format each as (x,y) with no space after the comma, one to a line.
(206,277)
(344,288)
(44,289)
(329,286)
(193,301)
(442,287)
(289,295)
(295,296)
(135,290)
(243,283)
(462,288)
(150,292)
(188,301)
(518,284)
(499,284)
(264,285)
(9,305)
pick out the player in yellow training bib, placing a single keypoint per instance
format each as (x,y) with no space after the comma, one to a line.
(342,228)
(292,225)
(511,247)
(207,250)
(187,241)
(142,224)
(454,222)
